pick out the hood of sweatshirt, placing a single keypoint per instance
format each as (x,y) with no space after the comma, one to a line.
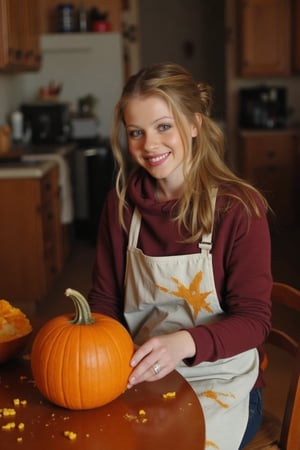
(141,193)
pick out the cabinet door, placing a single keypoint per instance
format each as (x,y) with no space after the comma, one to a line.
(296,36)
(264,37)
(30,238)
(22,278)
(269,163)
(19,35)
(31,43)
(52,229)
(10,40)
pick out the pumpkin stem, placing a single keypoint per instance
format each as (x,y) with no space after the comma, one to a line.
(83,314)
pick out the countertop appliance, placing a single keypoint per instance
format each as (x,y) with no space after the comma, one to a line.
(263,107)
(84,127)
(49,122)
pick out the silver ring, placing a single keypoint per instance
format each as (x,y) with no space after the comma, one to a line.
(156,368)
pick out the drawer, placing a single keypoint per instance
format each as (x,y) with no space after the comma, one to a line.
(268,151)
(269,157)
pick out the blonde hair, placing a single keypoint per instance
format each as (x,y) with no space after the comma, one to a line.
(207,169)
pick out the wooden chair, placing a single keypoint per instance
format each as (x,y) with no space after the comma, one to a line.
(274,433)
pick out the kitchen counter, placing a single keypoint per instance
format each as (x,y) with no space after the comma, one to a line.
(25,169)
(31,161)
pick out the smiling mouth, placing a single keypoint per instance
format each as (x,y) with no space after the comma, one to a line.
(158,159)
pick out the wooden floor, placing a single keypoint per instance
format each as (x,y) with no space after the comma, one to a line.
(285,267)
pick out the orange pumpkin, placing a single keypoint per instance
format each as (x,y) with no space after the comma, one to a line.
(81,362)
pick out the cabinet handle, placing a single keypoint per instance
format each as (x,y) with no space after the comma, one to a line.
(48,186)
(50,215)
(19,54)
(271,153)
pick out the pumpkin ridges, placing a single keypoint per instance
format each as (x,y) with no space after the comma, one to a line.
(72,351)
(82,366)
(118,353)
(57,387)
(45,383)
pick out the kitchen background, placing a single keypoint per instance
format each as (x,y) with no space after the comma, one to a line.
(249,51)
(206,37)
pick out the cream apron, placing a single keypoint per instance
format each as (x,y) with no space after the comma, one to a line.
(164,294)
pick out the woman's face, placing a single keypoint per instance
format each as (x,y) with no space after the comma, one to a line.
(154,140)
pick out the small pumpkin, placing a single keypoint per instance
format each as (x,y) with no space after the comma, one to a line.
(82,361)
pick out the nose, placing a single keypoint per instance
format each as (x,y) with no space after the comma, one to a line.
(150,143)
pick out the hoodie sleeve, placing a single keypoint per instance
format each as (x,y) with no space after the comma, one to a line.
(106,294)
(241,260)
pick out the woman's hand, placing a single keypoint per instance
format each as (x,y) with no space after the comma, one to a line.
(159,356)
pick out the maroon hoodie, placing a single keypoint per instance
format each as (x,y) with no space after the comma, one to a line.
(241,263)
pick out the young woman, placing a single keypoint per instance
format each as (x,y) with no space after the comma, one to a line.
(183,253)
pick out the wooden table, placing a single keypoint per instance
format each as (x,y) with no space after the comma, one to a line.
(140,419)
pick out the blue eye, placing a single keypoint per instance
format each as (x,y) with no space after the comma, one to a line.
(164,127)
(135,133)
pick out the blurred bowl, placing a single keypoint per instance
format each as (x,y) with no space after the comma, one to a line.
(12,348)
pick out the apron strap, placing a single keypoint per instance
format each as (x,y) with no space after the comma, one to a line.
(134,228)
(206,242)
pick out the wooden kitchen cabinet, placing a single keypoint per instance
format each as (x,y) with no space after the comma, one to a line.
(30,238)
(268,160)
(296,35)
(265,37)
(19,35)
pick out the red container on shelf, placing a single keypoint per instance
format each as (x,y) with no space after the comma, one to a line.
(101,26)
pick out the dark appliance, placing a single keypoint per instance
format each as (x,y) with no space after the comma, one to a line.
(49,122)
(263,107)
(93,174)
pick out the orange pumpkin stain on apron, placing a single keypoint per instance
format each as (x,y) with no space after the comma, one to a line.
(191,294)
(215,396)
(211,444)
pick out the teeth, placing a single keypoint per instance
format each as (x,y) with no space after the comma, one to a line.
(158,158)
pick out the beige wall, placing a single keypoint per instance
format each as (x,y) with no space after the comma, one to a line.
(10,96)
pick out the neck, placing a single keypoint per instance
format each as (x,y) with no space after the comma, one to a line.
(165,192)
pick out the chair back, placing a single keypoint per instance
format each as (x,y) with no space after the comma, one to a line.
(288,296)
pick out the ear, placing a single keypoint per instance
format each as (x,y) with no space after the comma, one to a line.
(194,129)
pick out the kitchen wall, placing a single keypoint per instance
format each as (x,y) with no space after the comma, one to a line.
(9,96)
(84,64)
(191,33)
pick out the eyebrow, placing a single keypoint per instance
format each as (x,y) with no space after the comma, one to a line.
(154,122)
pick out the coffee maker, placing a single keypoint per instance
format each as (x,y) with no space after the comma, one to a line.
(49,122)
(263,107)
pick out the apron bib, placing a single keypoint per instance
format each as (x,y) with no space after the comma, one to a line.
(165,294)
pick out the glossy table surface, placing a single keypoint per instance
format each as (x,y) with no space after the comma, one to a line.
(140,419)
